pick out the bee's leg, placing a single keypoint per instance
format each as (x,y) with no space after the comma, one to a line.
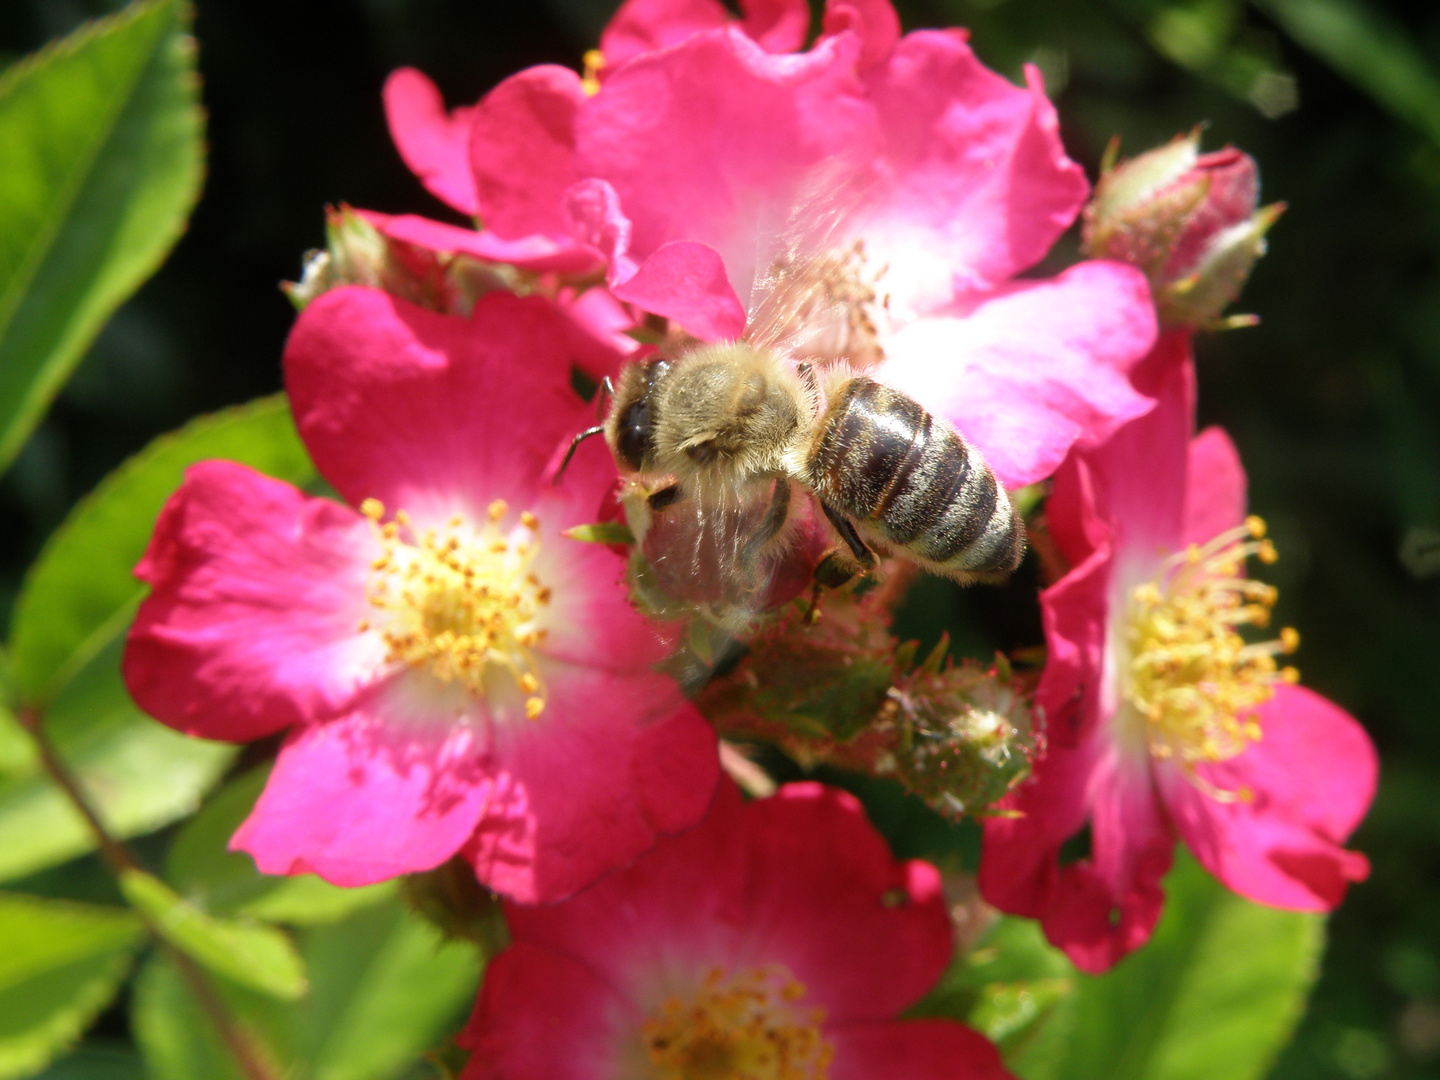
(863,555)
(606,392)
(831,572)
(774,520)
(575,445)
(659,500)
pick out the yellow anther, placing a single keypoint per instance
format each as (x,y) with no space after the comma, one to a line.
(738,1027)
(373,509)
(498,509)
(458,603)
(530,521)
(594,61)
(1188,673)
(363,625)
(1267,553)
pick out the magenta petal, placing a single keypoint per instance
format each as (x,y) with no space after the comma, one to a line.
(914,1050)
(1032,369)
(979,170)
(1214,487)
(716,140)
(819,878)
(641,26)
(1106,906)
(543,1015)
(433,143)
(541,254)
(874,22)
(686,282)
(522,145)
(257,591)
(418,409)
(384,791)
(612,762)
(1311,778)
(777,26)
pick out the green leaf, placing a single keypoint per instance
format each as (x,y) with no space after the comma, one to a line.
(138,775)
(227,883)
(98,1062)
(81,593)
(259,957)
(101,157)
(1215,992)
(60,964)
(384,987)
(1370,49)
(17,749)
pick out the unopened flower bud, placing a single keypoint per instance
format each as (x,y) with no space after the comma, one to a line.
(357,253)
(1188,220)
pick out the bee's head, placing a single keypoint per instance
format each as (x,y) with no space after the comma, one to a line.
(630,425)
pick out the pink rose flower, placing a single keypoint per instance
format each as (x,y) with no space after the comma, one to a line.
(1162,721)
(451,673)
(878,192)
(779,938)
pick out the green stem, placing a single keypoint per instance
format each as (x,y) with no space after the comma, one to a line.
(239,1042)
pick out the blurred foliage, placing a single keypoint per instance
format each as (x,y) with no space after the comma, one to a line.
(1333,402)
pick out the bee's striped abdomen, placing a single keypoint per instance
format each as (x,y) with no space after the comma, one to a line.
(890,466)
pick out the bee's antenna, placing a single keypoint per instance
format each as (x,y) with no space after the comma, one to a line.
(607,390)
(575,445)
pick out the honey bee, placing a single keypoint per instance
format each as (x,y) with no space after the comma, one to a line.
(721,422)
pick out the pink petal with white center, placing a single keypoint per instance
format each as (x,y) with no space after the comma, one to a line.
(977,185)
(542,254)
(1311,778)
(717,141)
(522,143)
(1031,369)
(913,1049)
(1214,487)
(257,591)
(874,22)
(686,282)
(613,761)
(433,143)
(822,879)
(796,879)
(1106,906)
(543,1015)
(395,787)
(642,26)
(1144,507)
(419,409)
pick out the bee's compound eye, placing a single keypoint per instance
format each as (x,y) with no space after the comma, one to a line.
(632,436)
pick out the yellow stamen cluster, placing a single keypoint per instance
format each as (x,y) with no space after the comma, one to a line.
(460,603)
(1192,677)
(825,305)
(594,64)
(743,1027)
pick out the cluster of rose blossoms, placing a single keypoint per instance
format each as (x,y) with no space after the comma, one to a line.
(455,676)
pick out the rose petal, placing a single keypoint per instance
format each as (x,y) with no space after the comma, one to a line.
(418,409)
(433,143)
(686,282)
(541,254)
(587,786)
(389,789)
(543,1015)
(980,184)
(257,593)
(1214,487)
(874,22)
(915,1050)
(522,144)
(1031,369)
(1311,778)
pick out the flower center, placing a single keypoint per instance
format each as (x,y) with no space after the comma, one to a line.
(1193,678)
(741,1027)
(460,603)
(821,306)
